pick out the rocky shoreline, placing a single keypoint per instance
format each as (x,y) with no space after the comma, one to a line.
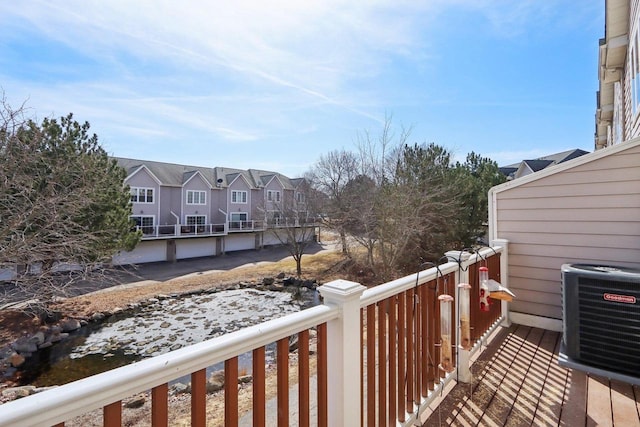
(14,356)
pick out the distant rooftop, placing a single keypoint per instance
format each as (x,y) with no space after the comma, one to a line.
(529,166)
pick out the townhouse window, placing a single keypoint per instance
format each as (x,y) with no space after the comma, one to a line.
(144,223)
(141,195)
(238,196)
(238,220)
(300,197)
(276,217)
(273,196)
(196,197)
(196,219)
(239,216)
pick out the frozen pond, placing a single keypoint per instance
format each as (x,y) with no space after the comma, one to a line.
(160,326)
(174,323)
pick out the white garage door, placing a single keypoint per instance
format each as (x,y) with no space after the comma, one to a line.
(146,251)
(239,242)
(193,248)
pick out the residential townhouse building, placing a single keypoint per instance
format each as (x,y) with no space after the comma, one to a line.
(618,97)
(191,211)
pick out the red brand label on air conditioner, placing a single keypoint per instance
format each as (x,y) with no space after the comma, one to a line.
(628,299)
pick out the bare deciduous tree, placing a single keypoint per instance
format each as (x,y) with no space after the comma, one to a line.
(330,176)
(393,197)
(293,222)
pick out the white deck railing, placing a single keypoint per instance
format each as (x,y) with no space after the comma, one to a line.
(341,312)
(65,402)
(180,230)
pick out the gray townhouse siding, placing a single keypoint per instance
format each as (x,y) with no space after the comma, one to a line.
(190,211)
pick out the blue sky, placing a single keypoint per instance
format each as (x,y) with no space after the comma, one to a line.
(274,85)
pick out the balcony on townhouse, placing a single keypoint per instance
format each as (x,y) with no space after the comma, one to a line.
(152,232)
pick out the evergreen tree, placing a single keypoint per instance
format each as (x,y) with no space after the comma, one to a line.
(64,211)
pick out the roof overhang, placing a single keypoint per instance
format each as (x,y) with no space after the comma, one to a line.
(611,60)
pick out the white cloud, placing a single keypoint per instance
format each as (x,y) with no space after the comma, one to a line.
(237,73)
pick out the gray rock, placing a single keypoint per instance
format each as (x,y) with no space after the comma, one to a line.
(97,317)
(18,392)
(179,388)
(24,345)
(215,382)
(69,325)
(38,338)
(245,379)
(268,281)
(136,401)
(58,337)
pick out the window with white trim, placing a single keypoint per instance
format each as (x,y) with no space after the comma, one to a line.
(273,195)
(196,219)
(195,197)
(239,216)
(300,197)
(141,195)
(144,223)
(238,196)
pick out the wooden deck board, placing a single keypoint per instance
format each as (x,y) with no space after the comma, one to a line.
(623,404)
(508,401)
(550,403)
(598,402)
(517,381)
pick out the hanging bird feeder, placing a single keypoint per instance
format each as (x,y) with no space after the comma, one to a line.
(483,277)
(464,289)
(490,288)
(446,359)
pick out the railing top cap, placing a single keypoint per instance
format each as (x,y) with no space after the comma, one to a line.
(341,289)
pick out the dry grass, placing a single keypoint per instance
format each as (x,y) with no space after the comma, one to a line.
(317,266)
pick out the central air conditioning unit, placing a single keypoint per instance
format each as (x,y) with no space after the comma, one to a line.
(601,321)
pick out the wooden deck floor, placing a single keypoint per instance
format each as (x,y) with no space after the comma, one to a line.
(518,382)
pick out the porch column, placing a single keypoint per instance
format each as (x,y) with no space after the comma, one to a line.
(504,276)
(463,363)
(343,352)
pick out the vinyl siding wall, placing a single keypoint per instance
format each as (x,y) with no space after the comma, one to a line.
(584,211)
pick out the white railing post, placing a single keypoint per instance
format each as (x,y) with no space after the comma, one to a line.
(464,365)
(504,276)
(343,352)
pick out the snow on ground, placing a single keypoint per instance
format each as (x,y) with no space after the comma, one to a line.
(173,323)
